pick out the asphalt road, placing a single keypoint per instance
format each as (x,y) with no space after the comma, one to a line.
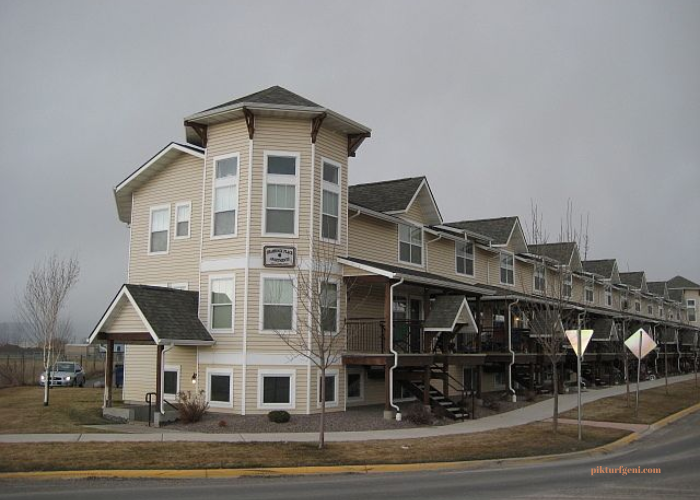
(675,449)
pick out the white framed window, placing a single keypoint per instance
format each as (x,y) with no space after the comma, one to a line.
(608,296)
(183,214)
(568,285)
(355,381)
(540,278)
(225,198)
(159,230)
(278,301)
(221,300)
(464,258)
(330,201)
(281,200)
(661,311)
(220,387)
(637,306)
(588,292)
(276,389)
(507,265)
(329,307)
(410,244)
(692,311)
(650,309)
(624,302)
(171,381)
(332,379)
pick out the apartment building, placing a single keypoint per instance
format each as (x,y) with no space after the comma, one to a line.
(223,228)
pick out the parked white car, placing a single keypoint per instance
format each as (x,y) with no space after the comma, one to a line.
(64,374)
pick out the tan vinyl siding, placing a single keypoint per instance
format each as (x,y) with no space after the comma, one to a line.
(415,213)
(225,139)
(300,386)
(374,240)
(366,301)
(181,181)
(225,340)
(124,319)
(184,358)
(139,372)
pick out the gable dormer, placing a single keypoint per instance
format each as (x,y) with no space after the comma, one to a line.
(504,232)
(658,288)
(565,253)
(604,268)
(635,280)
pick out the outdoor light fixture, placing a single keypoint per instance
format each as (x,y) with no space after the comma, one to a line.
(194,378)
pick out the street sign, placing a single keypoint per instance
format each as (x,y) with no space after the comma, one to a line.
(640,349)
(586,336)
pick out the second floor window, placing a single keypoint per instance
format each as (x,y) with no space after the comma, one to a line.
(329,307)
(160,230)
(410,244)
(568,285)
(692,315)
(278,304)
(637,306)
(225,196)
(661,311)
(330,202)
(182,220)
(588,294)
(464,255)
(624,302)
(608,296)
(221,304)
(540,282)
(650,309)
(281,195)
(507,266)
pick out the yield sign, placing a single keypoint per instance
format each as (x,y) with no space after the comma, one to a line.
(647,344)
(586,336)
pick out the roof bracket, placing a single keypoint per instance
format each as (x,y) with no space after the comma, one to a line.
(354,141)
(200,130)
(249,122)
(316,126)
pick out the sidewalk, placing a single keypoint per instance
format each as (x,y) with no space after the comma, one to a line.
(532,413)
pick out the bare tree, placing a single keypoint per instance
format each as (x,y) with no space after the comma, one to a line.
(319,334)
(40,306)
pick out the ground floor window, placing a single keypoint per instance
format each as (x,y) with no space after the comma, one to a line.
(331,388)
(276,389)
(355,389)
(220,388)
(401,393)
(171,381)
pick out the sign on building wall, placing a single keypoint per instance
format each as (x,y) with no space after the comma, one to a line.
(279,256)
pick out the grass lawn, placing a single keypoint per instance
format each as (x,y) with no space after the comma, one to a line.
(526,440)
(654,404)
(22,410)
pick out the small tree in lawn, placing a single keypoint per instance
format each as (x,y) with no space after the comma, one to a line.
(40,306)
(318,334)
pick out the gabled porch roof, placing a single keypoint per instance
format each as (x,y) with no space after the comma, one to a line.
(449,311)
(153,315)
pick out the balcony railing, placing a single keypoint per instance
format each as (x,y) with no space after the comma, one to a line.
(368,336)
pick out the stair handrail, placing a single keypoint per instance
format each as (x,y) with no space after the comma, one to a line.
(459,386)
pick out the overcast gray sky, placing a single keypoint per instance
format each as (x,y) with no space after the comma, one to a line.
(498,103)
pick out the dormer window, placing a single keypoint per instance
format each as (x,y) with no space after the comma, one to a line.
(281,179)
(225,203)
(330,203)
(507,268)
(411,244)
(464,256)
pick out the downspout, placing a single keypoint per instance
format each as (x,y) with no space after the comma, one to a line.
(391,349)
(678,348)
(656,353)
(246,276)
(162,376)
(511,351)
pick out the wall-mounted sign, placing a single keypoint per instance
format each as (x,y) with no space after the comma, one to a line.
(279,256)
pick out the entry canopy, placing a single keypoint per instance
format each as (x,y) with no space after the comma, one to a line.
(449,311)
(586,336)
(640,349)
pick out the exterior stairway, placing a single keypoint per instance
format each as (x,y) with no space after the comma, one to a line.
(437,400)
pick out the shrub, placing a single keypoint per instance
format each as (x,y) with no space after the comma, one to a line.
(418,414)
(222,423)
(192,407)
(279,416)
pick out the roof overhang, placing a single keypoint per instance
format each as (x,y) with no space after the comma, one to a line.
(124,190)
(462,314)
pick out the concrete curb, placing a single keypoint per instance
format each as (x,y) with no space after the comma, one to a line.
(347,469)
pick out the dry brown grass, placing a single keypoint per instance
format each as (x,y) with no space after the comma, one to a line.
(527,440)
(654,405)
(22,410)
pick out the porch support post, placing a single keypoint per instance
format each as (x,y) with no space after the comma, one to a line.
(159,375)
(480,368)
(387,316)
(388,411)
(426,386)
(109,370)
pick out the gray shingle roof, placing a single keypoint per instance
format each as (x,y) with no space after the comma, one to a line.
(676,294)
(633,279)
(498,229)
(386,196)
(443,312)
(173,314)
(602,267)
(560,252)
(273,95)
(603,330)
(657,287)
(681,282)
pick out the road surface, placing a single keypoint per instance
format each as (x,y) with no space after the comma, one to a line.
(674,449)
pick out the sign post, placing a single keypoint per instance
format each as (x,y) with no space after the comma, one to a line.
(579,340)
(641,344)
